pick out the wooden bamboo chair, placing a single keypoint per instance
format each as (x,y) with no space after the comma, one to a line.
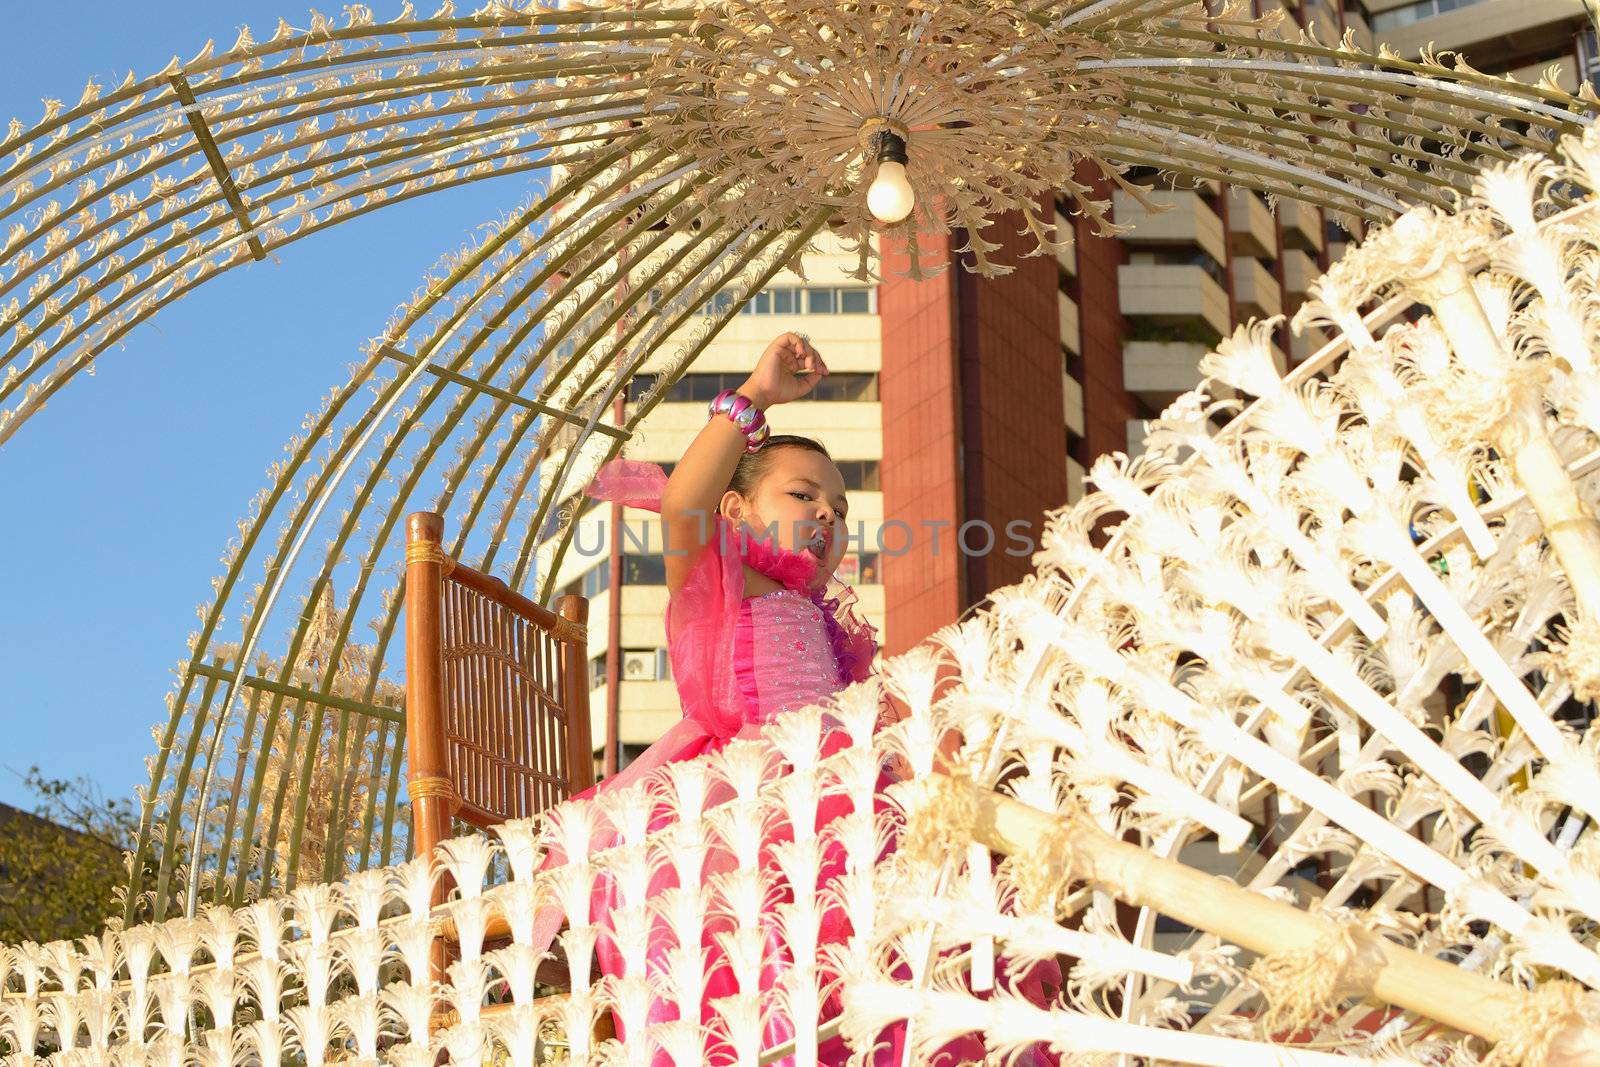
(497,701)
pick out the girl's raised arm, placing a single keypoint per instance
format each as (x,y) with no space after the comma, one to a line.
(787,370)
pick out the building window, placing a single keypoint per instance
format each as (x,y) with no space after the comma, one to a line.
(859,473)
(703,388)
(870,572)
(796,300)
(1078,448)
(846,386)
(639,385)
(1589,57)
(644,570)
(1394,18)
(1072,364)
(597,580)
(855,301)
(597,671)
(860,568)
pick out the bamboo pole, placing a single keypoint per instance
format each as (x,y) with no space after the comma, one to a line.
(1521,437)
(1405,978)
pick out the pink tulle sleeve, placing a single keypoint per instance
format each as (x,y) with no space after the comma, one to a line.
(702,614)
(632,483)
(701,617)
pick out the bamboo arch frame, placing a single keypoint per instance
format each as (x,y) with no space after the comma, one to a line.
(227,157)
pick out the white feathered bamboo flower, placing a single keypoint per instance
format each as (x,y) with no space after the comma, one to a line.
(468,859)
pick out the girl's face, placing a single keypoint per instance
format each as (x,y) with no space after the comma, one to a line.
(802,494)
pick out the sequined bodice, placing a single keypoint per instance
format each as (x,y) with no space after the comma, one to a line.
(784,658)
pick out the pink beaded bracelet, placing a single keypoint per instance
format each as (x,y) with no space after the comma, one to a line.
(751,420)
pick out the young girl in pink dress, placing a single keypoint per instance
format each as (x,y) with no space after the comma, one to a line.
(754,528)
(757,626)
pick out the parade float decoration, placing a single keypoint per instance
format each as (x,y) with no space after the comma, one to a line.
(1338,641)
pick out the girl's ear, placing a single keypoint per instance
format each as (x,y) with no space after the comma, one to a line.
(731,507)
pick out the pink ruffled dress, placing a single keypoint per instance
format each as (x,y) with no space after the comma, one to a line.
(739,662)
(783,656)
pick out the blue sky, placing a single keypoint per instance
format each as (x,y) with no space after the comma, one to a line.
(120,496)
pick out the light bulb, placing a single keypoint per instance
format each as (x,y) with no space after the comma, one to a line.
(890,198)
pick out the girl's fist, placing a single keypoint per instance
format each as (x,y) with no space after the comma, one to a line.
(787,370)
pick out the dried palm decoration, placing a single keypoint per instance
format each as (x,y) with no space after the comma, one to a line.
(997,103)
(489,395)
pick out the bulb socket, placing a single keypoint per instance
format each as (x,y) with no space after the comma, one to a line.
(889,147)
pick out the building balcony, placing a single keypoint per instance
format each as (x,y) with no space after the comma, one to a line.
(1158,372)
(1072,403)
(1075,476)
(1251,225)
(1566,73)
(1304,345)
(1173,293)
(1068,256)
(1187,220)
(1255,291)
(1322,19)
(1514,27)
(1067,315)
(1302,225)
(1299,271)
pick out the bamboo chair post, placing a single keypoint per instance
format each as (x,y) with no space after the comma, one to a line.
(512,708)
(427,770)
(575,691)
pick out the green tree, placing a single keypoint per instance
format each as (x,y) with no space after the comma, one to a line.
(62,865)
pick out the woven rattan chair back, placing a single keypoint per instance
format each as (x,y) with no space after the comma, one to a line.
(497,694)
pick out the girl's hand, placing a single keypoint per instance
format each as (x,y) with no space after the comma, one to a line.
(786,371)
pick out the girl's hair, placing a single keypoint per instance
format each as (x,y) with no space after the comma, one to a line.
(753,466)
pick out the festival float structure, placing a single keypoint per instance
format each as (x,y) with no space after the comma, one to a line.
(1362,596)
